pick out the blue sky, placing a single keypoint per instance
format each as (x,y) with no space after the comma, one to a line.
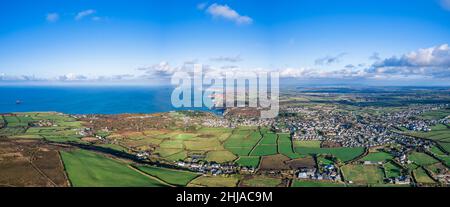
(101,40)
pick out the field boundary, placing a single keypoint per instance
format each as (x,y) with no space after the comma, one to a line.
(149,176)
(259,141)
(69,183)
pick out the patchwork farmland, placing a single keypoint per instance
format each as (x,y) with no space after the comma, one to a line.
(89,155)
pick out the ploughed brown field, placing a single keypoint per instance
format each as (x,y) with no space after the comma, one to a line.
(30,163)
(307,162)
(330,144)
(274,162)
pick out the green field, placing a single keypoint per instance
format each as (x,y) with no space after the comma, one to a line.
(285,148)
(435,150)
(241,151)
(243,138)
(220,156)
(214,181)
(438,132)
(171,176)
(307,183)
(422,177)
(17,121)
(435,115)
(86,169)
(440,155)
(262,150)
(248,161)
(177,156)
(363,174)
(377,157)
(282,137)
(27,136)
(422,159)
(445,145)
(12,131)
(269,138)
(242,141)
(342,153)
(392,170)
(307,144)
(322,160)
(262,181)
(114,147)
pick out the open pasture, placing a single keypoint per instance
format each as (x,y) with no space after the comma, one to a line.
(261,181)
(307,144)
(437,133)
(392,170)
(285,148)
(220,156)
(342,153)
(422,177)
(171,176)
(421,159)
(363,174)
(214,181)
(436,114)
(262,149)
(310,183)
(269,139)
(89,169)
(248,161)
(377,157)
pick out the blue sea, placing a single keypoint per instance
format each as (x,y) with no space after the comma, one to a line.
(88,100)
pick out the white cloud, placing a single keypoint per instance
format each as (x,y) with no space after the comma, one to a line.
(330,59)
(72,77)
(320,73)
(433,62)
(162,69)
(84,14)
(5,77)
(423,64)
(225,12)
(52,17)
(438,56)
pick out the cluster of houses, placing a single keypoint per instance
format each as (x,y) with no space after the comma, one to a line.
(86,132)
(208,168)
(235,122)
(43,123)
(358,130)
(445,120)
(418,125)
(400,180)
(327,172)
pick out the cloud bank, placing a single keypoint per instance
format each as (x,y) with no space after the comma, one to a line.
(422,64)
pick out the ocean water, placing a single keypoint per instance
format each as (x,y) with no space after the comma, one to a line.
(88,100)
